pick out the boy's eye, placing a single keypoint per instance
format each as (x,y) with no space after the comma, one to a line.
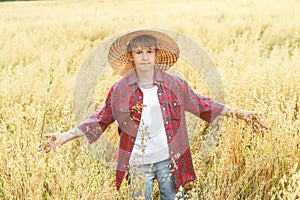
(149,51)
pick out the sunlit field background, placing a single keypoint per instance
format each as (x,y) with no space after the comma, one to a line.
(254,45)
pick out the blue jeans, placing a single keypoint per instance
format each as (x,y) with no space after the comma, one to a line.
(142,178)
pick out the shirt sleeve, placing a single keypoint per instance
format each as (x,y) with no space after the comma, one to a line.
(97,123)
(201,106)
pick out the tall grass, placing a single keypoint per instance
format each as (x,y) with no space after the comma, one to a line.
(254,44)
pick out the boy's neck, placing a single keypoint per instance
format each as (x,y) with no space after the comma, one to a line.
(145,79)
(144,76)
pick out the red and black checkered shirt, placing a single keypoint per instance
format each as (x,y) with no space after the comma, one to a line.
(124,104)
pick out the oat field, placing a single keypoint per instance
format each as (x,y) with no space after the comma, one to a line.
(255,45)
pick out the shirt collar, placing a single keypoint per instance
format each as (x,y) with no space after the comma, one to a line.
(158,77)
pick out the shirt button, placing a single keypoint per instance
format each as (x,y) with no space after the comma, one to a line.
(174,104)
(159,93)
(164,108)
(140,97)
(167,122)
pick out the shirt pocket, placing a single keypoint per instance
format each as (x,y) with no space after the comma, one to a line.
(122,114)
(175,108)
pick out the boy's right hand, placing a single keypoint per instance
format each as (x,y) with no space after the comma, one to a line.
(52,142)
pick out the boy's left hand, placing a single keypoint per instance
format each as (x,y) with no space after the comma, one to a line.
(254,120)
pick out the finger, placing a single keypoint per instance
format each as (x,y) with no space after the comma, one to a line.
(47,136)
(262,124)
(258,127)
(261,121)
(258,119)
(44,147)
(50,137)
(40,148)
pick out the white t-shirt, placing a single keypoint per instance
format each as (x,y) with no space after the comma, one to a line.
(151,143)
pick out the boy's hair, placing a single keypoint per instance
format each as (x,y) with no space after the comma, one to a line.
(142,41)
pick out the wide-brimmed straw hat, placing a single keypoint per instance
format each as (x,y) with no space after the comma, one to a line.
(166,55)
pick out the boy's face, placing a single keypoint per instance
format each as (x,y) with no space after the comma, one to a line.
(143,58)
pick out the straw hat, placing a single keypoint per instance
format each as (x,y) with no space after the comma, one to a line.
(166,55)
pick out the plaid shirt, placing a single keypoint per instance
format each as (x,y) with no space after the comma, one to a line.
(124,104)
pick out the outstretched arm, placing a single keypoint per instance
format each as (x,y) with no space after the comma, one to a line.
(250,117)
(208,109)
(92,127)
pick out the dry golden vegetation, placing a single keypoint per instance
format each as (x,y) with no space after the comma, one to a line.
(254,44)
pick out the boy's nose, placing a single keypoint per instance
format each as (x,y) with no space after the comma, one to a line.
(145,56)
